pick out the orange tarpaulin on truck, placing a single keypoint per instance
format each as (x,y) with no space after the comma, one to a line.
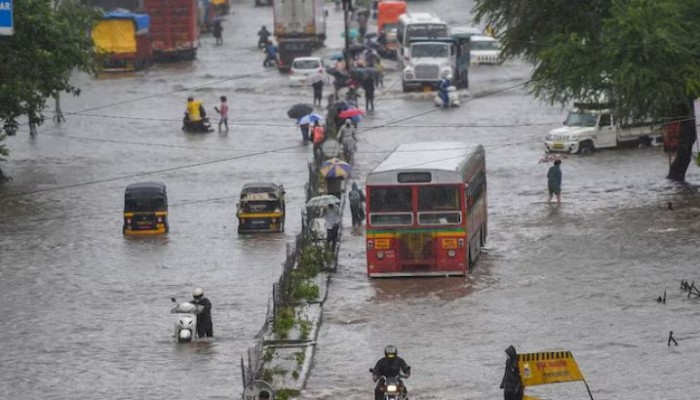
(115,36)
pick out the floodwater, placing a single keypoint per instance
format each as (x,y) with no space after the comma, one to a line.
(89,309)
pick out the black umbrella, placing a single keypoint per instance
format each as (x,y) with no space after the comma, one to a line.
(340,75)
(299,110)
(363,73)
(371,35)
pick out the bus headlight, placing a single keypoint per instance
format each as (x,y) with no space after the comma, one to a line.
(370,244)
(380,255)
(451,253)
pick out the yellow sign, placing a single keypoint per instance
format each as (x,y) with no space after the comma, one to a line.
(548,367)
(449,243)
(381,244)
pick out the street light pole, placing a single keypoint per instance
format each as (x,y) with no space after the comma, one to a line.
(347,4)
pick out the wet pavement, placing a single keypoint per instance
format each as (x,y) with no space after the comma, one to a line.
(89,309)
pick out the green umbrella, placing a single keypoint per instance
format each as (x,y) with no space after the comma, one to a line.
(352,34)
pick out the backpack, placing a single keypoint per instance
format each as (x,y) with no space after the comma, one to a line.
(355,198)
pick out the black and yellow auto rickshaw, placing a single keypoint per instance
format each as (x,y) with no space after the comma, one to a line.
(145,208)
(261,208)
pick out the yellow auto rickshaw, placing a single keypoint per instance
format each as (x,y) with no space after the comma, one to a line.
(145,209)
(261,208)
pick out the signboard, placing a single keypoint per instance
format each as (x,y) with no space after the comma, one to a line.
(548,367)
(7,26)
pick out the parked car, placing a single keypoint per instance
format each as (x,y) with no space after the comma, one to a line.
(484,50)
(303,67)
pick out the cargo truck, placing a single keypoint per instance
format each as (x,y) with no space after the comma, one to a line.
(300,19)
(174,28)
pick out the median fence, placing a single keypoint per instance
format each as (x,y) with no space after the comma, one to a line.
(281,355)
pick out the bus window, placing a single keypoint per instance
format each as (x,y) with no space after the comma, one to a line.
(440,218)
(399,219)
(438,198)
(390,199)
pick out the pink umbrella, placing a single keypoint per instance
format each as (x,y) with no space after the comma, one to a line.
(548,158)
(352,112)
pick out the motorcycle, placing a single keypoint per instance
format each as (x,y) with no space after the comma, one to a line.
(393,387)
(202,125)
(452,97)
(186,324)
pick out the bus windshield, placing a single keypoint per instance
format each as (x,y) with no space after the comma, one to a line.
(425,30)
(438,198)
(439,205)
(390,199)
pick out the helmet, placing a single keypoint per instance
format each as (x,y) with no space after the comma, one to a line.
(190,98)
(198,293)
(448,76)
(390,351)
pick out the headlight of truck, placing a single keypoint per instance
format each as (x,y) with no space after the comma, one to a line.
(408,74)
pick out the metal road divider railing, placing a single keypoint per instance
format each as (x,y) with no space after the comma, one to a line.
(282,289)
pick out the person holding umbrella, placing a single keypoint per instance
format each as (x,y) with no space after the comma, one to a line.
(368,86)
(297,112)
(318,80)
(318,136)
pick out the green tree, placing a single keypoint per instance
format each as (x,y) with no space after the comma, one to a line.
(36,63)
(643,54)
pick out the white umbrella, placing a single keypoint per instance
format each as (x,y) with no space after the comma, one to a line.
(322,201)
(317,77)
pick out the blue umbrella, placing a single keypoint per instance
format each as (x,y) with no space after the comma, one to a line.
(309,119)
(337,57)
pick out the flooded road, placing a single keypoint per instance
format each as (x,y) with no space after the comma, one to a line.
(88,309)
(582,276)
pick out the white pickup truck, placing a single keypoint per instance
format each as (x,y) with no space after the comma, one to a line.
(587,130)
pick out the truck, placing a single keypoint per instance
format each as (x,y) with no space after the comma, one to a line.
(426,62)
(174,28)
(590,127)
(122,41)
(300,19)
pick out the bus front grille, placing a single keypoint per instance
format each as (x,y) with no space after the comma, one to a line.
(415,247)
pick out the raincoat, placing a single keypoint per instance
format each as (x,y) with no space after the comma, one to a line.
(511,384)
(554,179)
(205,326)
(193,110)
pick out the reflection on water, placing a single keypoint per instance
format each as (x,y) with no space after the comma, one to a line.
(447,289)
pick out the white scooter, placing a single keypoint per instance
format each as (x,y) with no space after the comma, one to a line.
(452,96)
(186,324)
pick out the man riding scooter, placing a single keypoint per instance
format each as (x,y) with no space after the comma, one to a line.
(195,117)
(443,90)
(263,37)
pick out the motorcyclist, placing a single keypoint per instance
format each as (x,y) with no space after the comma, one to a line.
(205,327)
(270,54)
(264,36)
(443,90)
(196,115)
(390,366)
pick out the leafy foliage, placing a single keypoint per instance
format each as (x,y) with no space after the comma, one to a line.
(38,60)
(284,321)
(644,55)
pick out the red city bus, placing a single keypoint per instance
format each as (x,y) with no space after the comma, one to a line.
(426,210)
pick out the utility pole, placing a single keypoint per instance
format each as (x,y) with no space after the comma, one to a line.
(347,7)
